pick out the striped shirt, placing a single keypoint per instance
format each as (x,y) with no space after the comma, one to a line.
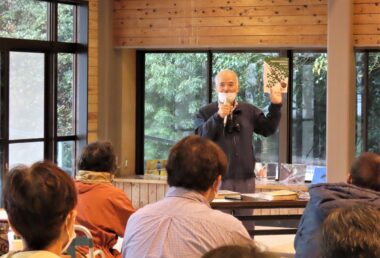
(180,225)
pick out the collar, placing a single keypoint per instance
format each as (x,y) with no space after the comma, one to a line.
(94,177)
(181,192)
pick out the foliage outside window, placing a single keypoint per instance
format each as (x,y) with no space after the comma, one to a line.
(309,108)
(175,88)
(177,85)
(43,94)
(23,19)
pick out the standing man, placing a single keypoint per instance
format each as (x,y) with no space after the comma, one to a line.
(231,125)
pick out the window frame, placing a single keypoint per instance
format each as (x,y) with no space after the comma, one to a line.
(365,94)
(51,48)
(285,132)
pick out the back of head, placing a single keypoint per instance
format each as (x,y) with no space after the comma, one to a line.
(237,251)
(351,232)
(37,200)
(195,163)
(98,156)
(365,171)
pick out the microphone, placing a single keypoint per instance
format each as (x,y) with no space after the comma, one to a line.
(225,118)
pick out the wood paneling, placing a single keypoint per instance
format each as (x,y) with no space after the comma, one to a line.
(235,23)
(216,23)
(367,23)
(142,192)
(93,71)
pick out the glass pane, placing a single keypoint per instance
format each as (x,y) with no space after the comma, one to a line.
(26,95)
(249,67)
(1,98)
(374,102)
(65,23)
(66,156)
(23,19)
(25,153)
(309,108)
(3,173)
(359,94)
(65,95)
(175,88)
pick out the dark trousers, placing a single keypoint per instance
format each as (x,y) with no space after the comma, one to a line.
(242,186)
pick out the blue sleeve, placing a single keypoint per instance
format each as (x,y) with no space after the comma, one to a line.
(308,238)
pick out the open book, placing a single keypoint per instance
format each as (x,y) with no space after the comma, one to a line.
(226,194)
(275,195)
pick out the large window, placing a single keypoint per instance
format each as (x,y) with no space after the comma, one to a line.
(368,101)
(176,84)
(43,80)
(308,108)
(175,88)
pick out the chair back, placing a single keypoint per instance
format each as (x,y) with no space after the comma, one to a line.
(84,239)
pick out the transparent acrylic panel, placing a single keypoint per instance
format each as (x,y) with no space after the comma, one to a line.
(373,104)
(249,67)
(65,95)
(26,95)
(66,156)
(360,68)
(175,88)
(23,19)
(309,108)
(65,23)
(25,153)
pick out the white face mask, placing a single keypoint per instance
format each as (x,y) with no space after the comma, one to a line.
(71,238)
(229,97)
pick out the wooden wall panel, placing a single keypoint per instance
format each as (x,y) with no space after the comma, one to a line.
(143,192)
(235,23)
(93,71)
(367,23)
(219,23)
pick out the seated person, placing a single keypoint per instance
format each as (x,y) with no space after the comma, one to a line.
(40,202)
(351,232)
(102,208)
(183,223)
(363,186)
(238,251)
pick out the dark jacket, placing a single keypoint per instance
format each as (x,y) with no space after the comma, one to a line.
(237,142)
(324,198)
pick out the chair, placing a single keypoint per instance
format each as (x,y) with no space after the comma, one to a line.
(85,239)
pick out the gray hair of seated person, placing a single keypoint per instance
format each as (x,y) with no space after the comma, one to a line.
(238,251)
(98,156)
(365,171)
(351,232)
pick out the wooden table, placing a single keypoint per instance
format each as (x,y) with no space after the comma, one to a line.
(251,203)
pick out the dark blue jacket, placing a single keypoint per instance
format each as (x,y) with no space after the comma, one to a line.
(238,144)
(324,198)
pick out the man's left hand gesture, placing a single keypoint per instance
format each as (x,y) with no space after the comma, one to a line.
(275,95)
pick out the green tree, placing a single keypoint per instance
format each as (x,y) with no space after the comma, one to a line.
(175,88)
(24,19)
